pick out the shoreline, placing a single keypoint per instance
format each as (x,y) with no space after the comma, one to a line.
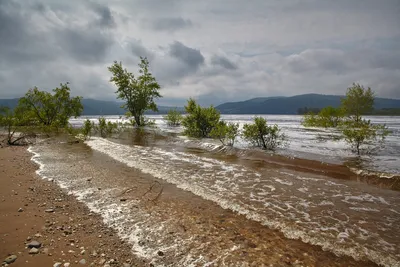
(250,235)
(33,209)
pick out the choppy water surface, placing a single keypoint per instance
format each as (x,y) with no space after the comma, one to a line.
(344,217)
(312,143)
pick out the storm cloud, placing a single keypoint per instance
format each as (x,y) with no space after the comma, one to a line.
(214,51)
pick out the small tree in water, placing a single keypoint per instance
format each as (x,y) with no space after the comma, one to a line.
(173,118)
(225,132)
(262,135)
(358,132)
(139,93)
(199,121)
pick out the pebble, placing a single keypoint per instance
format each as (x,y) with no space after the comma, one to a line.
(82,261)
(34,244)
(49,210)
(57,264)
(28,238)
(160,253)
(10,259)
(67,264)
(33,251)
(20,210)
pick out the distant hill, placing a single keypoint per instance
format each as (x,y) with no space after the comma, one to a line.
(97,107)
(290,105)
(261,105)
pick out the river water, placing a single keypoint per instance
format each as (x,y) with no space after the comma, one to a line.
(345,217)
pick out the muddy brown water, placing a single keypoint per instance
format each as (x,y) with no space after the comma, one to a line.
(185,206)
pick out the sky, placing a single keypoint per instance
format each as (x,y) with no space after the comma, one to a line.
(212,50)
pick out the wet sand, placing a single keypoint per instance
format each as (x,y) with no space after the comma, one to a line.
(68,234)
(212,230)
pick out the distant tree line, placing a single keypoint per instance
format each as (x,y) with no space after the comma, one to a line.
(374,112)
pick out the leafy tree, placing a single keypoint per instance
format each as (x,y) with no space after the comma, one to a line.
(328,117)
(199,121)
(358,132)
(364,134)
(51,110)
(358,101)
(18,127)
(173,118)
(262,135)
(138,93)
(225,132)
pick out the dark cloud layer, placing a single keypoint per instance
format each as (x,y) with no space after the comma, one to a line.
(224,51)
(223,62)
(190,56)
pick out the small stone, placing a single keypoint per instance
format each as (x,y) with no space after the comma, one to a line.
(123,199)
(34,251)
(34,244)
(99,236)
(57,264)
(28,238)
(38,235)
(82,261)
(20,210)
(71,251)
(10,259)
(83,252)
(67,264)
(160,253)
(102,261)
(49,210)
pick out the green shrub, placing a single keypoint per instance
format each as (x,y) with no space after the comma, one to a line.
(259,134)
(173,118)
(225,132)
(199,121)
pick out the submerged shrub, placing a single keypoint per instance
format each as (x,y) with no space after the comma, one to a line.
(173,118)
(199,121)
(225,132)
(260,134)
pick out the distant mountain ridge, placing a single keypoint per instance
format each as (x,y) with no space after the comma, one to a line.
(290,105)
(260,105)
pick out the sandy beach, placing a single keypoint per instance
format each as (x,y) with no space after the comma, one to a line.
(32,209)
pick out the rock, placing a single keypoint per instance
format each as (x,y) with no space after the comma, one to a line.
(67,264)
(20,210)
(38,235)
(49,210)
(57,264)
(102,261)
(83,252)
(34,251)
(34,244)
(123,199)
(28,238)
(160,253)
(82,261)
(10,259)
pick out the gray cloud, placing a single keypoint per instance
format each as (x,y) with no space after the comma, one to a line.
(139,50)
(191,57)
(223,62)
(168,24)
(274,47)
